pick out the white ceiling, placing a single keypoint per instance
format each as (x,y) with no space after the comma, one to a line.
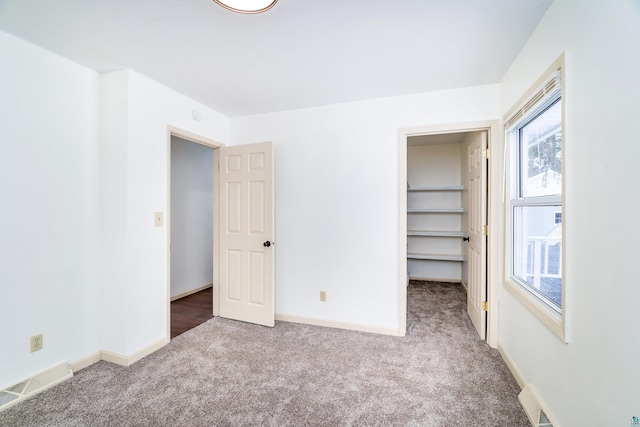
(301,53)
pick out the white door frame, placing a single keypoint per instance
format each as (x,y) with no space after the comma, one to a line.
(198,139)
(495,202)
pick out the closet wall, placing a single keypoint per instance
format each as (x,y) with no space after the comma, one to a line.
(437,207)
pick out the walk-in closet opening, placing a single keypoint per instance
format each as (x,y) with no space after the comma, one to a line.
(447,214)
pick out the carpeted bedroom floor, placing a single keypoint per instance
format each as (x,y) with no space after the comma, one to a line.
(228,373)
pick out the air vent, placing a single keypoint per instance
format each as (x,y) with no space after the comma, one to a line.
(40,382)
(534,407)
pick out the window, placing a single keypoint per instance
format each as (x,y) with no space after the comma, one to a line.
(537,197)
(558,217)
(534,137)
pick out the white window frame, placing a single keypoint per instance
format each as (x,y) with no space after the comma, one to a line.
(541,95)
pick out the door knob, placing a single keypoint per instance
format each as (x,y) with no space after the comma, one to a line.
(266,244)
(465,239)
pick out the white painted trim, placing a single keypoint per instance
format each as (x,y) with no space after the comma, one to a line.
(512,366)
(85,361)
(190,136)
(143,352)
(495,244)
(537,85)
(216,232)
(336,324)
(402,232)
(116,358)
(123,360)
(167,224)
(192,291)
(556,323)
(432,279)
(495,249)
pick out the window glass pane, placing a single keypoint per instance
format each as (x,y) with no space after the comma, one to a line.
(540,149)
(537,250)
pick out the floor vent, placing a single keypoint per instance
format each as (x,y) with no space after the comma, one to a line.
(40,382)
(534,407)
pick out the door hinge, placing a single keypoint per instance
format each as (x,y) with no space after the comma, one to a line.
(486,153)
(485,306)
(485,230)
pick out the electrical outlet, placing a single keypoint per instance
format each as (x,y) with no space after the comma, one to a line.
(36,343)
(157,219)
(323,296)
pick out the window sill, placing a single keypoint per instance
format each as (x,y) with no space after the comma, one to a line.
(552,320)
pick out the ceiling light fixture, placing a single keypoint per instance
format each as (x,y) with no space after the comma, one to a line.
(247,6)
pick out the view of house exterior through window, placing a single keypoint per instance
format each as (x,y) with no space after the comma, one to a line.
(537,205)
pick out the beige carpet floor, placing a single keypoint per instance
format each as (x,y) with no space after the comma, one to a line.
(228,373)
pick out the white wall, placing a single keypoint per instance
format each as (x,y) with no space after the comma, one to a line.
(49,203)
(191,216)
(84,167)
(336,186)
(593,380)
(429,166)
(113,284)
(135,184)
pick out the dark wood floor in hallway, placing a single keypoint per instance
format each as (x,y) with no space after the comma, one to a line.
(191,311)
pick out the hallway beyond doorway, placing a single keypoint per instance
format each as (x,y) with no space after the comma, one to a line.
(191,311)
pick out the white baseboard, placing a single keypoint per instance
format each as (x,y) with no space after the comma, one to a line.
(529,398)
(336,324)
(64,371)
(123,360)
(191,292)
(86,361)
(512,366)
(148,350)
(434,279)
(118,359)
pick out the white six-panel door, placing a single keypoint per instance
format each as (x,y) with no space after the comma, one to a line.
(246,252)
(477,253)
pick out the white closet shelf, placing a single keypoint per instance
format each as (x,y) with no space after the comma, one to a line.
(438,188)
(444,211)
(435,233)
(435,257)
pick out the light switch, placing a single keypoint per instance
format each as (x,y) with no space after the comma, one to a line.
(158,219)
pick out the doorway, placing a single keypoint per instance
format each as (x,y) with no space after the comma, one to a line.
(444,214)
(191,233)
(243,225)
